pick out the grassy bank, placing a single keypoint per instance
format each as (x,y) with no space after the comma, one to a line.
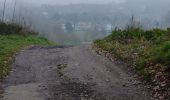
(10,44)
(148,52)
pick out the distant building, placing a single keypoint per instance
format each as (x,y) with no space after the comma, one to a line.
(81,26)
(45,13)
(108,28)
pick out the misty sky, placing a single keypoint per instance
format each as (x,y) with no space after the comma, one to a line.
(73,1)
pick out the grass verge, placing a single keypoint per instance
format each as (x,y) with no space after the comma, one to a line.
(10,44)
(148,52)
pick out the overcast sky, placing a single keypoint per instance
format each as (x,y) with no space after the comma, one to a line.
(72,1)
(39,2)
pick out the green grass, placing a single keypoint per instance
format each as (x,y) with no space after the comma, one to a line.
(10,44)
(143,50)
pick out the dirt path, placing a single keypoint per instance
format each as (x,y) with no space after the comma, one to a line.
(69,73)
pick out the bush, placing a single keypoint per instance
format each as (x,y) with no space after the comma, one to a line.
(157,35)
(129,33)
(163,54)
(9,28)
(12,28)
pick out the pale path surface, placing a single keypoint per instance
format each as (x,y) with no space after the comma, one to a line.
(69,73)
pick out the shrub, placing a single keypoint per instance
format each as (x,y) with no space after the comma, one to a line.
(12,28)
(9,28)
(137,33)
(149,35)
(163,54)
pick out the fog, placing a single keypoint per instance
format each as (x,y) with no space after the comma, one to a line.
(81,21)
(38,2)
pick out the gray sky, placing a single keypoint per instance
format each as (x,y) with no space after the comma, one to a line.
(72,1)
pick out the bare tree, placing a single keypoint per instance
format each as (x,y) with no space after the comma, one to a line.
(167,19)
(133,23)
(4,10)
(13,16)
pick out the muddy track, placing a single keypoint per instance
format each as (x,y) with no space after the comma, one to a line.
(69,73)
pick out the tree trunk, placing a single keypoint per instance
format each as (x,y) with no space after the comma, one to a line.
(3,15)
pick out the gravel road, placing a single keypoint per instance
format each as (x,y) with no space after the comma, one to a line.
(69,73)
